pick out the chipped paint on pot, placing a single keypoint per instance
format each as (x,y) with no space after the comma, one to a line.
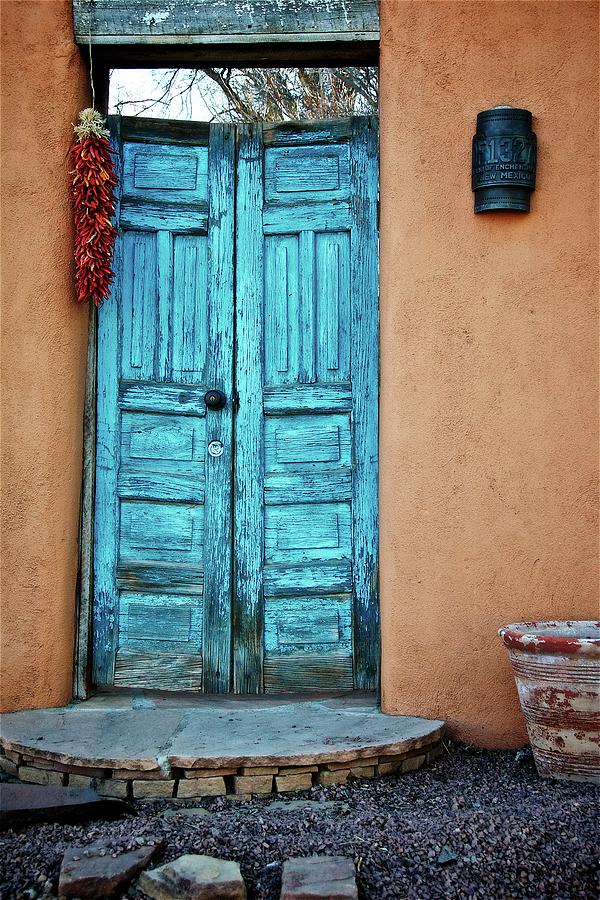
(557,671)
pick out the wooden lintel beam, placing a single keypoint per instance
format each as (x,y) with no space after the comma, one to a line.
(186,23)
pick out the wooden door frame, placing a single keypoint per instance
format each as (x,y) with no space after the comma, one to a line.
(319,52)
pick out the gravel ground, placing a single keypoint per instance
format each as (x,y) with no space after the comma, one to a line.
(472,824)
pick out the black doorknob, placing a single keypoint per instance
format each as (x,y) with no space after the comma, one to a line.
(215,399)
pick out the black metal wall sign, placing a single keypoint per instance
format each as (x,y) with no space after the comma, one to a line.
(504,158)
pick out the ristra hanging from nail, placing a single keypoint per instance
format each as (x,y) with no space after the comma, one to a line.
(93,180)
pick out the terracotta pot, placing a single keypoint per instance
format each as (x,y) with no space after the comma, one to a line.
(557,671)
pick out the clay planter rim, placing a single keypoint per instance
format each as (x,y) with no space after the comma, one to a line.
(547,637)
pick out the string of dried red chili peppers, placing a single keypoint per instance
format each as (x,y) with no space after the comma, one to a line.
(92,181)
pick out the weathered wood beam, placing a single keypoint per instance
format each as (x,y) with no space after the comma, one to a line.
(186,22)
(200,56)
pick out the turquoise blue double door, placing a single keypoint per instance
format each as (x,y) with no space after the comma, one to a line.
(235,533)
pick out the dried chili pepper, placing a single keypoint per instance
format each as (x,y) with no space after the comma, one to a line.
(93,180)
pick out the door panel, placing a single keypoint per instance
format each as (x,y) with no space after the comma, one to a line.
(306,610)
(162,606)
(296,494)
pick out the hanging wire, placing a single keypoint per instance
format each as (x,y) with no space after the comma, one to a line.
(91,5)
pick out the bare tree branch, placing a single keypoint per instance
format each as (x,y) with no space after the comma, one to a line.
(270,95)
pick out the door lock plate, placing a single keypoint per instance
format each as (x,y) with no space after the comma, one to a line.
(215,448)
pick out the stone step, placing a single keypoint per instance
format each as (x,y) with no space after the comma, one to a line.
(166,750)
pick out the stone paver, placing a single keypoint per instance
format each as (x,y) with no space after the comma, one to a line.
(14,757)
(39,762)
(194,877)
(80,781)
(435,753)
(340,776)
(253,784)
(413,763)
(8,766)
(142,775)
(260,770)
(367,761)
(40,776)
(152,790)
(297,770)
(96,871)
(209,773)
(109,788)
(296,782)
(318,878)
(201,787)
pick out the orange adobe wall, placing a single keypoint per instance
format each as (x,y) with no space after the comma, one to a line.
(44,337)
(489,354)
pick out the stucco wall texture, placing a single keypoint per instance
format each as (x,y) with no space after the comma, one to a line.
(43,355)
(489,354)
(489,358)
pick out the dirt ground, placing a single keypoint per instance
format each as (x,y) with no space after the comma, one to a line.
(473,824)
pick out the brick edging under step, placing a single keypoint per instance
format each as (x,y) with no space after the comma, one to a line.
(242,781)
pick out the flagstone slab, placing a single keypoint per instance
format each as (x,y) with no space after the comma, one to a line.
(106,738)
(294,735)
